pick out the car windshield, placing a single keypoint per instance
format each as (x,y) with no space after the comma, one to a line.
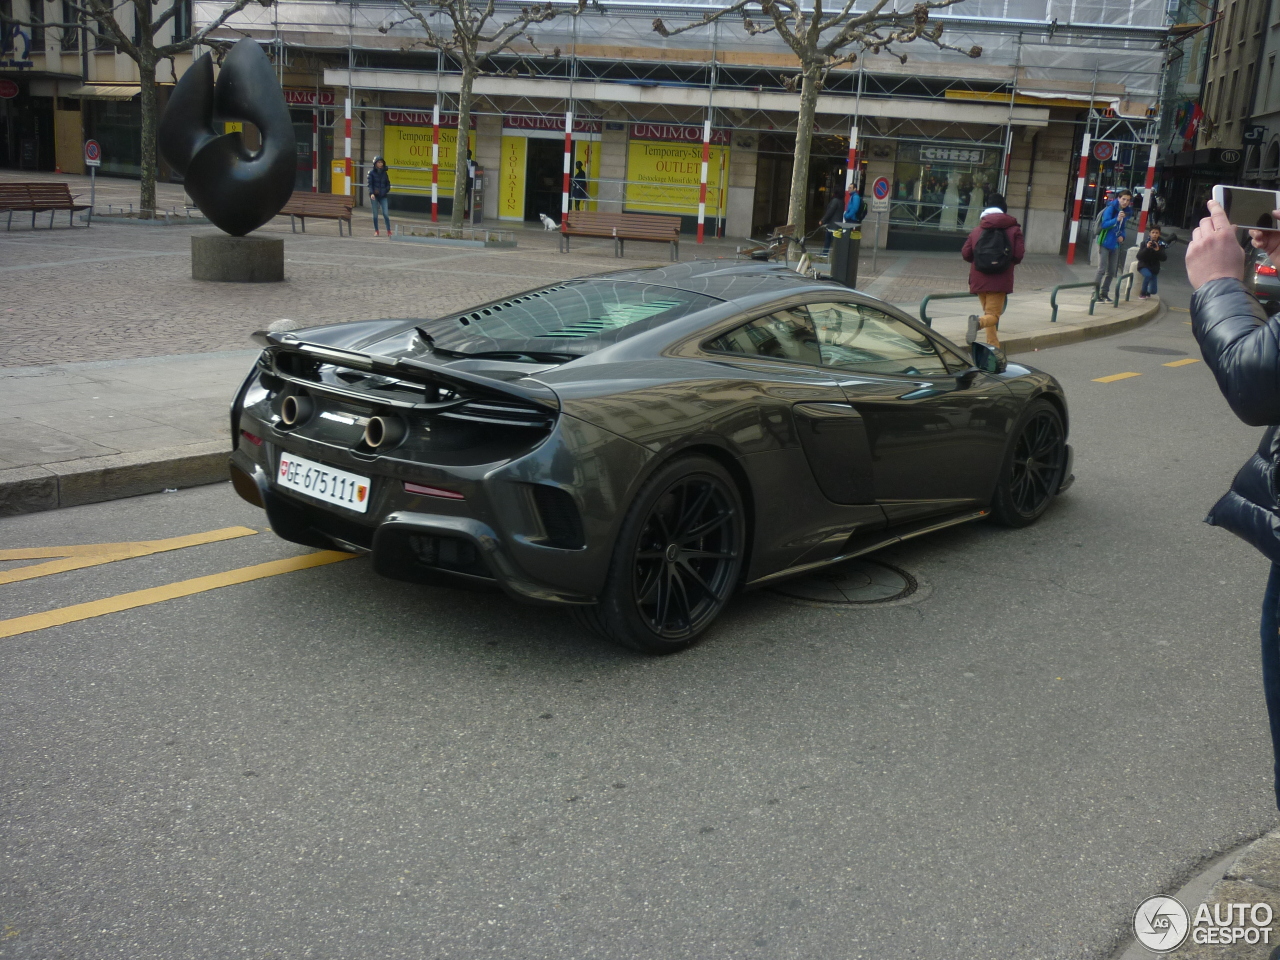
(574,311)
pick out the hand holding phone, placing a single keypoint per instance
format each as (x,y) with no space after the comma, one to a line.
(1249,208)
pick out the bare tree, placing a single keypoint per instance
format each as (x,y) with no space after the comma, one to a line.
(473,36)
(822,42)
(101,20)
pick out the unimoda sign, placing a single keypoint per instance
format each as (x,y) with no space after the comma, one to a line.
(537,122)
(309,98)
(421,118)
(675,133)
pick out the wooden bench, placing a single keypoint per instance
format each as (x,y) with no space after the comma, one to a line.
(40,198)
(321,206)
(620,227)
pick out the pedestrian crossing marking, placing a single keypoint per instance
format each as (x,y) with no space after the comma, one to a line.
(92,554)
(1116,376)
(1182,363)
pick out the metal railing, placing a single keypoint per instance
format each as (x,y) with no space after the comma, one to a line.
(924,316)
(1053,296)
(1128,293)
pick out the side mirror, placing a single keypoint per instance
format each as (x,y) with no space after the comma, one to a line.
(987,358)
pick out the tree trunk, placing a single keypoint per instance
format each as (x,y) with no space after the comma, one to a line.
(147,200)
(460,153)
(809,88)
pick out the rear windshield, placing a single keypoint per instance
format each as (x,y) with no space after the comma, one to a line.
(579,310)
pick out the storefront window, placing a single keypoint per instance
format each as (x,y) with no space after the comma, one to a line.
(117,126)
(938,188)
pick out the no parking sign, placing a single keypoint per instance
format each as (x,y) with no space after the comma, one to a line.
(880,194)
(1103,150)
(92,153)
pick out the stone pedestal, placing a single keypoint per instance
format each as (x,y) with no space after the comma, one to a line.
(221,257)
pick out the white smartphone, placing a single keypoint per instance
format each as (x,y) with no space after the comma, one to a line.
(1248,207)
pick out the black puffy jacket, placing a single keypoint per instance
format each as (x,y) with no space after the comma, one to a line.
(1242,348)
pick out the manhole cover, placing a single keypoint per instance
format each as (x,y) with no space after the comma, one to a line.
(858,581)
(1162,351)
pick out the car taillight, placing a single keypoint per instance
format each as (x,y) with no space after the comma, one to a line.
(1266,270)
(256,441)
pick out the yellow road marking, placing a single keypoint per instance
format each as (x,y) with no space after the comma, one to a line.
(1116,376)
(171,591)
(92,554)
(1182,363)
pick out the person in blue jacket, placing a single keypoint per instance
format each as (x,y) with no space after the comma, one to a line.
(1241,345)
(1115,218)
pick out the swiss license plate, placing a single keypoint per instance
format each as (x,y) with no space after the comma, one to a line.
(324,483)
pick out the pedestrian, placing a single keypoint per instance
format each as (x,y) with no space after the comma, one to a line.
(993,249)
(579,187)
(1242,348)
(855,209)
(379,184)
(832,215)
(1150,255)
(1111,241)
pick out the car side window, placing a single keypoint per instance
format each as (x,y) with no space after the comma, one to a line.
(853,336)
(782,335)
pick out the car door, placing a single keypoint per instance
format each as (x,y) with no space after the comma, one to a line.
(936,427)
(831,431)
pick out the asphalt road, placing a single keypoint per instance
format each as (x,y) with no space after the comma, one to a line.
(1061,722)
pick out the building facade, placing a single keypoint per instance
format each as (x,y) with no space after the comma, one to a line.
(938,131)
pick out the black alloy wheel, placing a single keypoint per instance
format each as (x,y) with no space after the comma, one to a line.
(676,561)
(1033,467)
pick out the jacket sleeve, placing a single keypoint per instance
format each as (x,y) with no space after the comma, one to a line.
(966,252)
(1242,348)
(1109,217)
(1019,244)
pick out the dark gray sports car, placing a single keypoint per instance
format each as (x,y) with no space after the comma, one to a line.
(638,445)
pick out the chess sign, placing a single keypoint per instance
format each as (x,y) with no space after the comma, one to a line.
(951,155)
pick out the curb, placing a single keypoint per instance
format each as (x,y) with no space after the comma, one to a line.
(95,479)
(1252,877)
(1075,333)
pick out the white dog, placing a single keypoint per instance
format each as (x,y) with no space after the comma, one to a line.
(548,223)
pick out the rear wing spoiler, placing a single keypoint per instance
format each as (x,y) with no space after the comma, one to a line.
(413,371)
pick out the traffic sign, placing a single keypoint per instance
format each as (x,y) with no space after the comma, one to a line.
(1103,150)
(879,206)
(8,89)
(92,153)
(880,189)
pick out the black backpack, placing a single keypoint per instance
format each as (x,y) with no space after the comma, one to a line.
(992,253)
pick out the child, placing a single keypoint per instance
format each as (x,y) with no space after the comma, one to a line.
(1150,255)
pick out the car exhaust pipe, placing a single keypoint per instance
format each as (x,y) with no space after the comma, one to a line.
(295,410)
(384,432)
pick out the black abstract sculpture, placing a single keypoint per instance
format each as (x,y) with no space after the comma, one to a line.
(236,189)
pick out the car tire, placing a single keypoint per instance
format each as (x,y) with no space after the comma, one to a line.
(1032,469)
(676,561)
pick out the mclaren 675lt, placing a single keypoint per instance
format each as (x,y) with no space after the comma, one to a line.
(638,446)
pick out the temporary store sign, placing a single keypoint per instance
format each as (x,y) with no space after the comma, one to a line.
(406,143)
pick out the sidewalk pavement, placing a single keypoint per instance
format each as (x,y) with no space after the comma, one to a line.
(117,369)
(1250,876)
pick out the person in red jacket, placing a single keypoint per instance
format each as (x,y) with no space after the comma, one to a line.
(992,288)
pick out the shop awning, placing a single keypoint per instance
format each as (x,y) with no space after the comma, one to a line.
(105,91)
